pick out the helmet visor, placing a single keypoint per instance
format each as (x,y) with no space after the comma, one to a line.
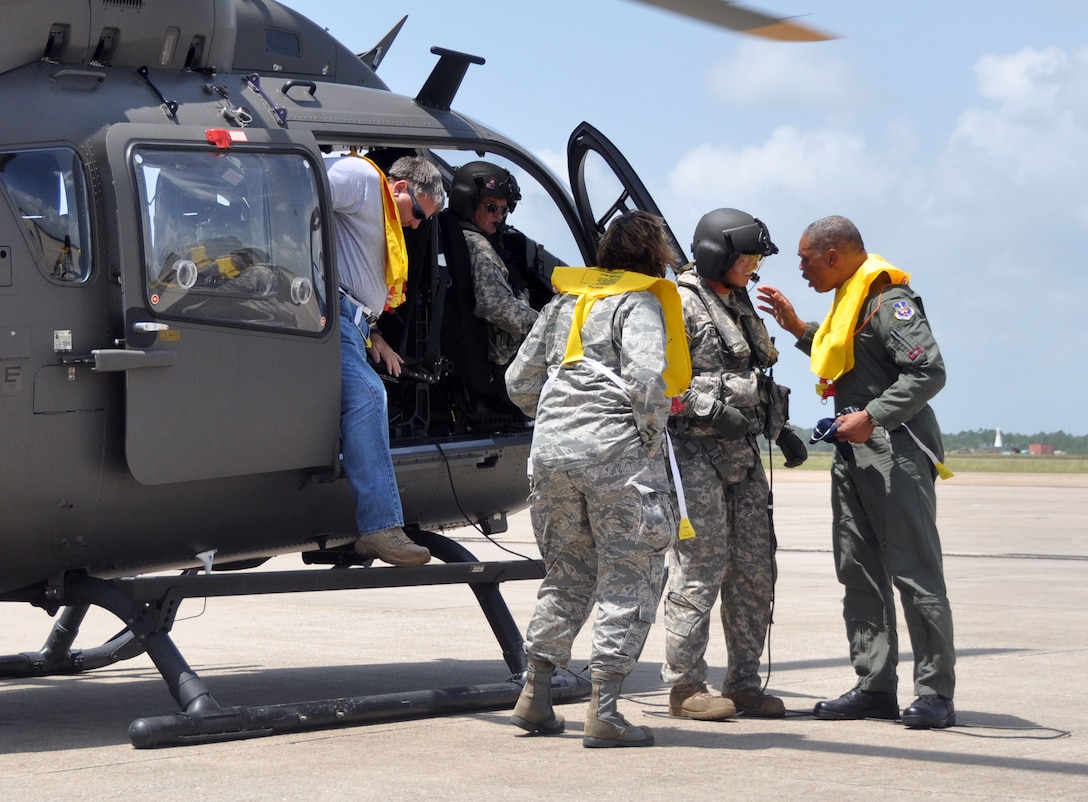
(748,263)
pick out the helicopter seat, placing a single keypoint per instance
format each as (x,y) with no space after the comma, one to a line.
(464,335)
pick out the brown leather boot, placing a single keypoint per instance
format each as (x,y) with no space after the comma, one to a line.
(753,703)
(533,711)
(606,726)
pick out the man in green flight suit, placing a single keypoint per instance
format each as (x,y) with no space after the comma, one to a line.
(875,353)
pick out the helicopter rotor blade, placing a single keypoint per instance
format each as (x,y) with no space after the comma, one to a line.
(744,20)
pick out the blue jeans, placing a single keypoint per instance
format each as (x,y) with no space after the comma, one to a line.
(364,433)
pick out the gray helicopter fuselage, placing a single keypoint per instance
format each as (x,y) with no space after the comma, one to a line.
(145,422)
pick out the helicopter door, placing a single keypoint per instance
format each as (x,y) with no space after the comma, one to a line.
(619,181)
(231,358)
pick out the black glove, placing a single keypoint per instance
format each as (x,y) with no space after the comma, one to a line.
(792,447)
(728,423)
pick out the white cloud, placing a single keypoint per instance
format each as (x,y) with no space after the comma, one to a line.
(1025,80)
(792,169)
(1006,192)
(760,73)
(1035,131)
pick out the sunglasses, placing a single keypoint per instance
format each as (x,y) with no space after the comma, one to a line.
(752,262)
(417,210)
(494,208)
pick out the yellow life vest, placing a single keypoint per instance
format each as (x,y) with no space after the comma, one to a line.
(832,351)
(396,251)
(591,283)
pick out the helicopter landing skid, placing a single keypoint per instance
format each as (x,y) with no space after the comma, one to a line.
(148,606)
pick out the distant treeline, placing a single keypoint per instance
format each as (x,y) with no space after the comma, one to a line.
(983,440)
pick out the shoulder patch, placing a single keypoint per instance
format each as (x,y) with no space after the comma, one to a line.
(903,310)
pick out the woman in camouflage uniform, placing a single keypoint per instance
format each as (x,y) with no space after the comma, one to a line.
(602,509)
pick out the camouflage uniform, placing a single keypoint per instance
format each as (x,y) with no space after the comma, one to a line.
(602,507)
(732,553)
(506,310)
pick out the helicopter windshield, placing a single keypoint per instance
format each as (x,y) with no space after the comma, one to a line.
(232,238)
(46,189)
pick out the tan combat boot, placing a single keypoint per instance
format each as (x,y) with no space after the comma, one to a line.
(533,712)
(687,700)
(606,726)
(392,546)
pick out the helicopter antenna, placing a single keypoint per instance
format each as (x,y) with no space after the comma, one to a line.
(445,79)
(373,57)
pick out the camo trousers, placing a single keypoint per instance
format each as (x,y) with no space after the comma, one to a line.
(731,555)
(603,531)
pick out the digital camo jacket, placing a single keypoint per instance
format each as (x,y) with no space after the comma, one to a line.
(583,417)
(730,347)
(507,312)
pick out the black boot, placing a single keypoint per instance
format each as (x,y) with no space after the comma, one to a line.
(858,704)
(930,712)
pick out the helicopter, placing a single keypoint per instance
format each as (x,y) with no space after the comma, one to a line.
(169,359)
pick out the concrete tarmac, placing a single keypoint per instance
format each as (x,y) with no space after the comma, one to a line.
(1016,561)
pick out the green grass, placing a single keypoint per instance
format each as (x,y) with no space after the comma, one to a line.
(974,463)
(1015,463)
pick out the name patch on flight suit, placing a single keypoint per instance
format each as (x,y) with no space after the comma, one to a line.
(903,310)
(915,352)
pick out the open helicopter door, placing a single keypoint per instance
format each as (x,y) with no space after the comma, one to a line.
(231,355)
(619,181)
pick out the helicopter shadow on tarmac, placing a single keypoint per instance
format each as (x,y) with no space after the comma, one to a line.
(92,710)
(95,709)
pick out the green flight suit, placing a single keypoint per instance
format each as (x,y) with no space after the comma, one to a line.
(884,501)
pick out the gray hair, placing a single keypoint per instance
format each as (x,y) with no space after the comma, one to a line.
(422,176)
(834,232)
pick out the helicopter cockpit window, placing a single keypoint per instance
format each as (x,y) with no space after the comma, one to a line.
(233,238)
(46,188)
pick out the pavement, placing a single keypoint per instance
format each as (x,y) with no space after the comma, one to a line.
(1016,561)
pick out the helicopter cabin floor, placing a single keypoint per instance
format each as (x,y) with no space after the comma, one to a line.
(1016,560)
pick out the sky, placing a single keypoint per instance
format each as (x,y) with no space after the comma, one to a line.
(954,134)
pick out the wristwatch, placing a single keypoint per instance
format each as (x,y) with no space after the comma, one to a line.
(872,421)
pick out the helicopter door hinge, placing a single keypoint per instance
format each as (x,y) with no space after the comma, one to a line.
(111,360)
(169,106)
(253,81)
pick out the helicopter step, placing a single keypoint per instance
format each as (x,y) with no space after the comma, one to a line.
(148,606)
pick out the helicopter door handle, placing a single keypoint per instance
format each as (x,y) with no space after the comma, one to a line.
(93,75)
(309,86)
(114,360)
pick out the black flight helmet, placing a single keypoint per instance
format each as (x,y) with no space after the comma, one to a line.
(722,236)
(475,180)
